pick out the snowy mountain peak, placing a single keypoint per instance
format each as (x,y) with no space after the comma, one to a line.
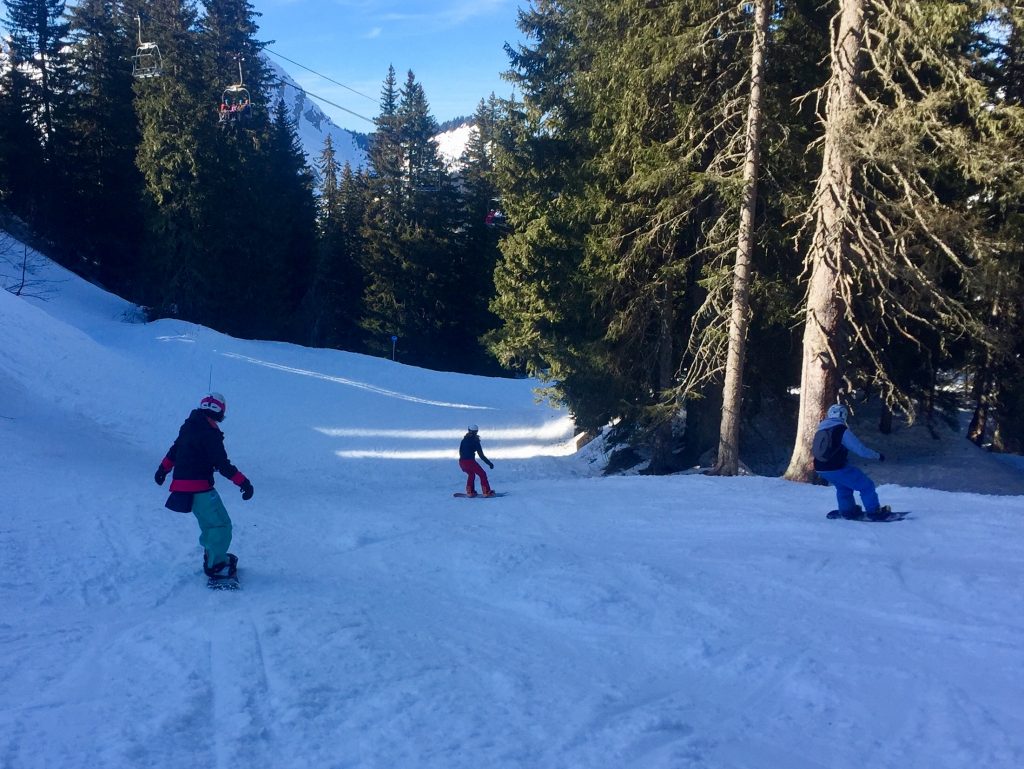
(312,123)
(452,143)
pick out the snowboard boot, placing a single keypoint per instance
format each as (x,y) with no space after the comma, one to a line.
(489,493)
(470,493)
(853,514)
(880,514)
(224,569)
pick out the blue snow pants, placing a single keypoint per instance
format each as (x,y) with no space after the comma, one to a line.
(214,526)
(848,480)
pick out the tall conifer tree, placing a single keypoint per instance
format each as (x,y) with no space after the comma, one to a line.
(102,182)
(727,462)
(21,152)
(630,110)
(897,241)
(39,46)
(39,36)
(336,293)
(411,259)
(483,222)
(178,130)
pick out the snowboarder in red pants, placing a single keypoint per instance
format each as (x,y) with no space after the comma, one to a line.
(468,450)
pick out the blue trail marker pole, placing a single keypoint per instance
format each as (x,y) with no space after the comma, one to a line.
(394,341)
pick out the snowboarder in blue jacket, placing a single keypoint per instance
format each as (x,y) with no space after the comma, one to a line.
(832,443)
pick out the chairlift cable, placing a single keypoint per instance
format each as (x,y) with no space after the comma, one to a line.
(302,90)
(318,74)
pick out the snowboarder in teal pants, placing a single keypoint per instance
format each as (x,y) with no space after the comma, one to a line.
(194,455)
(832,443)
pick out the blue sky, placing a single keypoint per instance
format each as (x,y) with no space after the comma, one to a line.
(455,48)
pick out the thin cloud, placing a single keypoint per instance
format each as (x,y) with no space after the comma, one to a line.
(373,33)
(450,15)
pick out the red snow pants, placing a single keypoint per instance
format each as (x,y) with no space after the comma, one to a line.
(472,469)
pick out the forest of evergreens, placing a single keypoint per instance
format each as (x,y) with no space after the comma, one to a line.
(711,212)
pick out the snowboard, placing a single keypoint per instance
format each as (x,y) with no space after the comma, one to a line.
(223,583)
(859,516)
(480,496)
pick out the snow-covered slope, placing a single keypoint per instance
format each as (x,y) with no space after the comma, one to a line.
(580,622)
(313,125)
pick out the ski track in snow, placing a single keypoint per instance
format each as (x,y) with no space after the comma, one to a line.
(580,622)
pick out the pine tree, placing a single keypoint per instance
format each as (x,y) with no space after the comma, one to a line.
(727,462)
(997,368)
(632,107)
(347,272)
(381,304)
(21,152)
(38,41)
(336,293)
(103,186)
(265,250)
(385,154)
(178,133)
(541,168)
(39,38)
(328,235)
(411,261)
(896,243)
(289,242)
(421,159)
(482,223)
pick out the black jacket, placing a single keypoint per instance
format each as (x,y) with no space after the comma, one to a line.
(828,449)
(197,452)
(470,447)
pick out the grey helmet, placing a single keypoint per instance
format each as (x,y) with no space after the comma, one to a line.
(838,411)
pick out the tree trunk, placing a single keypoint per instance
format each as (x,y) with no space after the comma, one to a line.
(979,420)
(732,392)
(984,385)
(819,375)
(661,446)
(885,421)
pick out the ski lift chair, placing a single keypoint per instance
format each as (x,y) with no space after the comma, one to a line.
(147,62)
(236,100)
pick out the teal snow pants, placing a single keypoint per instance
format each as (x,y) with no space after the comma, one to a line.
(214,525)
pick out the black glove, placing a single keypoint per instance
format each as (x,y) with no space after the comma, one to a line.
(881,457)
(160,476)
(490,464)
(247,489)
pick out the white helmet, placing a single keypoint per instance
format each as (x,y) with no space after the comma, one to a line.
(838,411)
(472,428)
(215,404)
